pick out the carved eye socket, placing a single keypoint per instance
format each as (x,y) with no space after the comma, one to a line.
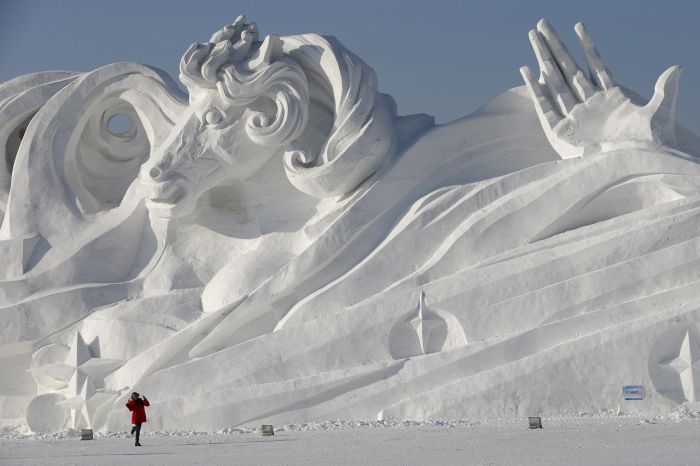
(213,117)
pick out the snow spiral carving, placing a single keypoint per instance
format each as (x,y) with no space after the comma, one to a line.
(292,72)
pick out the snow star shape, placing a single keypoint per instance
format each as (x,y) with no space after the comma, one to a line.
(687,364)
(426,325)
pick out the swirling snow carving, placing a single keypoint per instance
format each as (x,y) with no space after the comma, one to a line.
(269,231)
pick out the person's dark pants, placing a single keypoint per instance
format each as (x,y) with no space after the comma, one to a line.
(137,430)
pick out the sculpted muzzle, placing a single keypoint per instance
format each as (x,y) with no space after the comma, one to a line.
(170,174)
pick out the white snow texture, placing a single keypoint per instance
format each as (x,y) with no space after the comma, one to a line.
(279,246)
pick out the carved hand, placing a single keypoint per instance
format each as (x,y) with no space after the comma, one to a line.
(582,115)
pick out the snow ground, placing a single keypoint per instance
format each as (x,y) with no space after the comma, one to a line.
(666,440)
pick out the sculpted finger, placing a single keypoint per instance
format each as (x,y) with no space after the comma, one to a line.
(552,76)
(230,31)
(662,106)
(543,105)
(599,72)
(574,76)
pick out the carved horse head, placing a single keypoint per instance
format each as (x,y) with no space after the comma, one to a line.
(306,98)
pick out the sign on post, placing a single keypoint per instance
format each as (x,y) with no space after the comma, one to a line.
(633,392)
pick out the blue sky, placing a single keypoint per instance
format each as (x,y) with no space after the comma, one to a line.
(442,57)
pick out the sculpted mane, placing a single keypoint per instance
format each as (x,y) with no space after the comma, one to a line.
(307,77)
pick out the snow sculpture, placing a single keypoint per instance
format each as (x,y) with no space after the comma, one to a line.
(674,362)
(425,331)
(75,374)
(580,116)
(427,325)
(251,252)
(250,101)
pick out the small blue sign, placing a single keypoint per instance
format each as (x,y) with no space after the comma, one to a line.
(633,392)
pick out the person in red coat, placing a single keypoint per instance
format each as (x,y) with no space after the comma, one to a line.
(137,406)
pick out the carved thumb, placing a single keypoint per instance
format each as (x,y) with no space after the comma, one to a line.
(662,106)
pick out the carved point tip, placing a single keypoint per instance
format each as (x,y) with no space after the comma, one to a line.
(669,78)
(525,72)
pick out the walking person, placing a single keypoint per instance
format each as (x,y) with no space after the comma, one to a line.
(137,406)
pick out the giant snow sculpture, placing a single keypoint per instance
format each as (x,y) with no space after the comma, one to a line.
(279,245)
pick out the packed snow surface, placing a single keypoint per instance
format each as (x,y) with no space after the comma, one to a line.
(614,440)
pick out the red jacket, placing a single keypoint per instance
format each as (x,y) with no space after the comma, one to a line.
(138,409)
